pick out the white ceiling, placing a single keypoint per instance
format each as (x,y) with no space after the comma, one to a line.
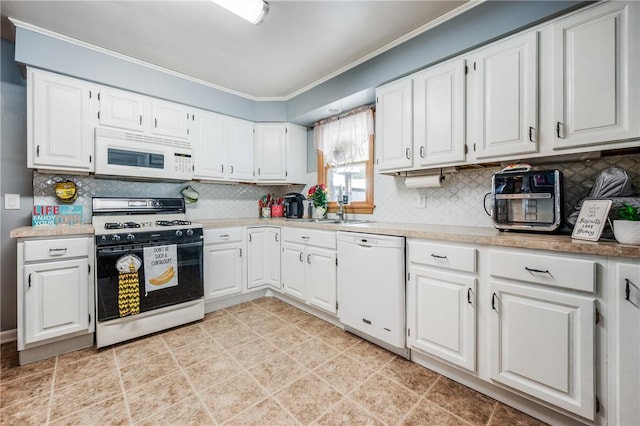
(299,44)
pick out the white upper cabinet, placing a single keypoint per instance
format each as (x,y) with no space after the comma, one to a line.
(209,146)
(394,126)
(240,135)
(121,109)
(439,114)
(271,151)
(61,115)
(170,119)
(281,153)
(596,89)
(222,147)
(505,100)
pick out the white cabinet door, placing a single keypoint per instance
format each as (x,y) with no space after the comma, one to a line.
(321,278)
(263,257)
(271,149)
(272,257)
(170,119)
(596,67)
(293,270)
(443,315)
(624,373)
(121,109)
(439,114)
(543,344)
(209,148)
(296,154)
(394,126)
(240,146)
(56,299)
(60,122)
(223,266)
(506,108)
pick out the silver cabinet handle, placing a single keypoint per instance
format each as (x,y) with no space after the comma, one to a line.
(493,301)
(155,122)
(469,295)
(531,132)
(422,152)
(231,169)
(140,119)
(57,251)
(240,250)
(408,153)
(436,256)
(277,237)
(309,258)
(221,168)
(301,257)
(225,236)
(558,124)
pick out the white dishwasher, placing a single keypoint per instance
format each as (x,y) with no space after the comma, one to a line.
(371,286)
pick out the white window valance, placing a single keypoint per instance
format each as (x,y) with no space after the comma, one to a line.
(345,140)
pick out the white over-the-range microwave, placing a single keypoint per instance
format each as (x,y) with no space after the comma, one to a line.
(121,153)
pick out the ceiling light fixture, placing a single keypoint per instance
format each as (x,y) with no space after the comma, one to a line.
(253,11)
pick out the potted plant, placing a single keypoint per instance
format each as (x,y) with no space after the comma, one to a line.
(318,196)
(627,228)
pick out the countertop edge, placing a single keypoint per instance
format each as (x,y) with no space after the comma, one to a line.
(448,233)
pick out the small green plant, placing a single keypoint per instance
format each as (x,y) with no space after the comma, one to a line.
(628,212)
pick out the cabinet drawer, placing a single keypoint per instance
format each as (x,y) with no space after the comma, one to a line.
(555,271)
(58,248)
(447,256)
(326,239)
(222,235)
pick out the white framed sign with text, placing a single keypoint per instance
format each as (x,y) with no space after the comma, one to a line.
(591,221)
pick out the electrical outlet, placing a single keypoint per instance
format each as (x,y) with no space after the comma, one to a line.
(12,201)
(422,200)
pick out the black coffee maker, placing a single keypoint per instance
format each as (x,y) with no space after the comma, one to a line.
(293,206)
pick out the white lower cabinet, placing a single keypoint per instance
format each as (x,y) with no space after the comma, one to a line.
(441,305)
(624,341)
(224,262)
(543,337)
(55,290)
(309,267)
(263,257)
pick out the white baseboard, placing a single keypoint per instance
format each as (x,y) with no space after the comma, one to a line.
(8,335)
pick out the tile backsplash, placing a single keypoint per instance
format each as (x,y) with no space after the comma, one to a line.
(459,201)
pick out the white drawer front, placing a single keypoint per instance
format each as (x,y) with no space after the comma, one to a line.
(57,248)
(326,239)
(556,271)
(222,235)
(446,256)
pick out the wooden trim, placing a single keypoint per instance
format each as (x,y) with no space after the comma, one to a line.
(358,207)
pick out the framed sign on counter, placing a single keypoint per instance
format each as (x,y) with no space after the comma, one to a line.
(591,221)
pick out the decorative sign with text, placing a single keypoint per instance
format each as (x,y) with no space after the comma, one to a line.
(56,215)
(591,221)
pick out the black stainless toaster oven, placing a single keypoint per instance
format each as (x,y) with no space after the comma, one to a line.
(527,200)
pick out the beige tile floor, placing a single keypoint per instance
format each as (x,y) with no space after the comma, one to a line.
(258,363)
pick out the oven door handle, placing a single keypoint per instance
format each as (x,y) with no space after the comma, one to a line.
(138,247)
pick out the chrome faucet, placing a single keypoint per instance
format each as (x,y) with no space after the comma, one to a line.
(342,200)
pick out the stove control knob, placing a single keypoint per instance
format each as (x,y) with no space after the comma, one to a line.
(103,239)
(131,237)
(190,232)
(115,238)
(178,233)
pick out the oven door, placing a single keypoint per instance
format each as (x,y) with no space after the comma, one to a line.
(109,281)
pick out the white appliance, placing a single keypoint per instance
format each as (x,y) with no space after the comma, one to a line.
(121,153)
(371,287)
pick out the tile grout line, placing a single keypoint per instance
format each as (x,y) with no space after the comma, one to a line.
(495,407)
(440,376)
(53,384)
(122,389)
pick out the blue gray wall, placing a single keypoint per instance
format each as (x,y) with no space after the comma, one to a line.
(15,178)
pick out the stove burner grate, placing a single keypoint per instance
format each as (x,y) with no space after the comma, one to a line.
(172,222)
